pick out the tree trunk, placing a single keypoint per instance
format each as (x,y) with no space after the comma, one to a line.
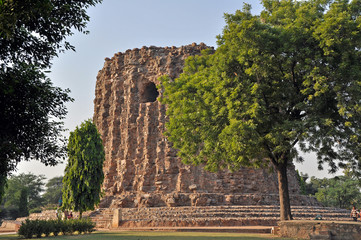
(285,206)
(80,214)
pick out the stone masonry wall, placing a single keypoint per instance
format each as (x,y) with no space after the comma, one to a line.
(335,230)
(141,167)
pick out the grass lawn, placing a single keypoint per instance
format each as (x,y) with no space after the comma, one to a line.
(155,236)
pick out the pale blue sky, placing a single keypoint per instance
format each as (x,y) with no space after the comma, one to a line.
(118,25)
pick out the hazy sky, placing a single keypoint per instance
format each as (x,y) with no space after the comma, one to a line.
(118,25)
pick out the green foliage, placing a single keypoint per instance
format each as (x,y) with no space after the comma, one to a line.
(53,190)
(45,227)
(23,203)
(36,210)
(28,101)
(32,32)
(274,81)
(84,171)
(11,212)
(289,76)
(27,229)
(302,182)
(340,191)
(24,192)
(311,187)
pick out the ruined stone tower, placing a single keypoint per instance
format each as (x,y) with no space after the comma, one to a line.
(141,168)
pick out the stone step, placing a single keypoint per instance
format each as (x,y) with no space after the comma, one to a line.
(231,212)
(168,216)
(236,214)
(238,229)
(228,211)
(210,209)
(220,218)
(198,223)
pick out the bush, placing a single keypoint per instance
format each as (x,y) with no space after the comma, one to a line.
(35,210)
(89,226)
(39,229)
(29,228)
(50,207)
(56,228)
(48,227)
(83,226)
(65,227)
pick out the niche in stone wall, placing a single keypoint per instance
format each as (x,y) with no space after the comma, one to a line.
(149,93)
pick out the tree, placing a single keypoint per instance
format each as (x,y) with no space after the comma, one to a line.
(32,32)
(24,187)
(84,172)
(23,203)
(340,191)
(302,178)
(53,190)
(289,76)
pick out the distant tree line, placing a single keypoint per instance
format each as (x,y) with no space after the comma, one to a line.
(28,193)
(341,191)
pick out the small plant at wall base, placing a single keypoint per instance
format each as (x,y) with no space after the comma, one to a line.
(84,172)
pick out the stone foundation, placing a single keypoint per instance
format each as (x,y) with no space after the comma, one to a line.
(188,216)
(9,226)
(200,199)
(332,230)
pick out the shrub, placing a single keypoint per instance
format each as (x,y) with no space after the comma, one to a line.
(50,207)
(48,227)
(56,227)
(38,228)
(84,226)
(29,228)
(35,210)
(65,227)
(89,226)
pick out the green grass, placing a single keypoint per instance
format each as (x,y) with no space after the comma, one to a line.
(155,236)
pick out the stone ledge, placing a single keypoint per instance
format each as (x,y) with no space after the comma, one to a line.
(10,226)
(155,199)
(335,230)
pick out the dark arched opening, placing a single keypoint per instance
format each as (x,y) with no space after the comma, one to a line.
(150,93)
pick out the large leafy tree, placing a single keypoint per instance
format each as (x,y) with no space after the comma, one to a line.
(32,32)
(84,172)
(289,76)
